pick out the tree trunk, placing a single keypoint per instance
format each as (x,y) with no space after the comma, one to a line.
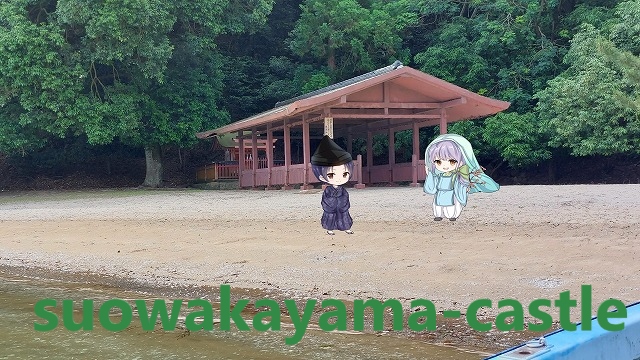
(493,170)
(552,175)
(153,157)
(331,58)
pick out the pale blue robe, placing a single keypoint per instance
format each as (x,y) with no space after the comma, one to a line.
(449,195)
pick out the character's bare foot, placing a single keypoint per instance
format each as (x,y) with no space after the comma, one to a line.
(437,218)
(349,232)
(329,232)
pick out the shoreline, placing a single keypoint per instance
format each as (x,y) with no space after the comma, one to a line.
(454,333)
(523,242)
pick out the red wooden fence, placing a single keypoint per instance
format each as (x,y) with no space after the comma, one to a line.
(221,171)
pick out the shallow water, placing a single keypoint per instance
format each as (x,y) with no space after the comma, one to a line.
(19,340)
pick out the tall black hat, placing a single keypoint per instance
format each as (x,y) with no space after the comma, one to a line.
(329,153)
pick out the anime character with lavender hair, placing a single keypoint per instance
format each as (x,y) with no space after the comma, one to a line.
(334,166)
(452,174)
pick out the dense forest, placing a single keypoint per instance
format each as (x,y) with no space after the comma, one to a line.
(89,89)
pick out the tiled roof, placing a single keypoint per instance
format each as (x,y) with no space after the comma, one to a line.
(396,65)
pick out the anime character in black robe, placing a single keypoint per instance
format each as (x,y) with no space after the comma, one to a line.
(334,166)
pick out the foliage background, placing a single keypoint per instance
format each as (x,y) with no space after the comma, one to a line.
(87,86)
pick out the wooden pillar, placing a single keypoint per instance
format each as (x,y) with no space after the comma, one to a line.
(287,155)
(392,152)
(392,147)
(414,170)
(385,96)
(269,149)
(443,121)
(416,155)
(350,143)
(306,152)
(240,158)
(254,154)
(416,139)
(369,153)
(358,170)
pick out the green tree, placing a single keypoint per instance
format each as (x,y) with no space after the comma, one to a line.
(629,65)
(590,108)
(259,67)
(38,87)
(144,71)
(517,138)
(622,49)
(506,50)
(350,36)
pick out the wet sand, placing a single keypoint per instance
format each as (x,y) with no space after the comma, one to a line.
(523,242)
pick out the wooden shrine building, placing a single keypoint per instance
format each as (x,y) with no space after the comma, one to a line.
(384,101)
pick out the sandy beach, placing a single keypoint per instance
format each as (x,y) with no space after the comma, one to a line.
(522,242)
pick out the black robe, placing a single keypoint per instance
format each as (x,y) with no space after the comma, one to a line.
(335,203)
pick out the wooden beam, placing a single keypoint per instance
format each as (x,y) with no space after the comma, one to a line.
(381,105)
(420,125)
(382,125)
(454,102)
(398,127)
(433,113)
(377,111)
(443,105)
(366,126)
(278,137)
(341,103)
(280,127)
(291,123)
(383,116)
(318,117)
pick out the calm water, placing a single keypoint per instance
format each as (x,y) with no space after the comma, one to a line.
(18,339)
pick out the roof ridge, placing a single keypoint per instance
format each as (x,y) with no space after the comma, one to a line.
(396,65)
